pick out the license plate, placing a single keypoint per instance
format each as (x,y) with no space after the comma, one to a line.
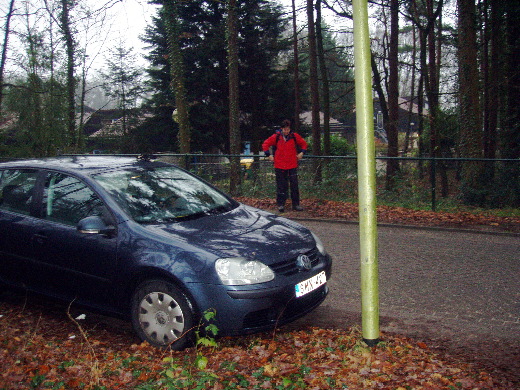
(310,284)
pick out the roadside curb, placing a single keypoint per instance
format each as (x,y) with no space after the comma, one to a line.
(400,226)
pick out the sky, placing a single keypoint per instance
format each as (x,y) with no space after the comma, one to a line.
(126,22)
(131,18)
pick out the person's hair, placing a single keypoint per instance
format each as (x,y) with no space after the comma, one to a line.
(286,123)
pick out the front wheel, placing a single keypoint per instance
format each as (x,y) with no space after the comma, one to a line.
(162,315)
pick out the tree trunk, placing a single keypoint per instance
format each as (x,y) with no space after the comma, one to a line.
(510,139)
(378,86)
(234,124)
(314,89)
(420,124)
(296,71)
(512,120)
(325,98)
(392,166)
(470,123)
(71,82)
(409,128)
(83,93)
(181,116)
(495,78)
(432,90)
(428,73)
(443,148)
(4,51)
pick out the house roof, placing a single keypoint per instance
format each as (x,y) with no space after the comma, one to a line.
(306,118)
(109,123)
(404,104)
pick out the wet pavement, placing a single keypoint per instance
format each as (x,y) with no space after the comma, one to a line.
(458,291)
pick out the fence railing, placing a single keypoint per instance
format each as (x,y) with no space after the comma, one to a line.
(421,181)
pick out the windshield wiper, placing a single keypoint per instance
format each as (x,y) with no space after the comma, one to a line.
(218,210)
(189,217)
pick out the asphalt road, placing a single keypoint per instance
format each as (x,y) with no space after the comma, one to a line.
(458,291)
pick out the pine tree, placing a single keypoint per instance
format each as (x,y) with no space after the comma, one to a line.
(122,82)
(263,87)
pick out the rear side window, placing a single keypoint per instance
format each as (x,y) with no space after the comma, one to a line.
(67,200)
(17,189)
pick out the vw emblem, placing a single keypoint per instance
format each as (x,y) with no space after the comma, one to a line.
(304,262)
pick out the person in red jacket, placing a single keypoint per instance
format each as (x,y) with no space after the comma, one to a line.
(285,148)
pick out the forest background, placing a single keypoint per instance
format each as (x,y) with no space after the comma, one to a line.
(218,73)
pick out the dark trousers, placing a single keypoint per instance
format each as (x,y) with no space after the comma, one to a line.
(284,178)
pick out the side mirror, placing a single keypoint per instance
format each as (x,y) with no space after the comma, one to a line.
(95,225)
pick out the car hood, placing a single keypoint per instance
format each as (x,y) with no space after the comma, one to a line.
(243,232)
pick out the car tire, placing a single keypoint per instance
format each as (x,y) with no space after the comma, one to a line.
(162,315)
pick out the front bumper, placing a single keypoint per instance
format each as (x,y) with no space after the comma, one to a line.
(247,310)
(283,312)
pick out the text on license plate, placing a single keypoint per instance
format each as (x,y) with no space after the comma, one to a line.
(310,284)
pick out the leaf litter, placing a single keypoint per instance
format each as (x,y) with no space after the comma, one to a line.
(335,210)
(41,348)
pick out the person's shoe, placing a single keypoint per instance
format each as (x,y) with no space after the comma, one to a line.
(281,209)
(297,208)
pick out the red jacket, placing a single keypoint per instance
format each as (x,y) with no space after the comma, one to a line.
(285,151)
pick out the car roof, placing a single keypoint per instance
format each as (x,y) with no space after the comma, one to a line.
(86,164)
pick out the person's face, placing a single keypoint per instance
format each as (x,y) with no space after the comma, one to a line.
(286,130)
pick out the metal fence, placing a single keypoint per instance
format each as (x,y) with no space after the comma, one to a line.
(421,182)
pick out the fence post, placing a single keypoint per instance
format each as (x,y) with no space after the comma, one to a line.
(433,181)
(187,162)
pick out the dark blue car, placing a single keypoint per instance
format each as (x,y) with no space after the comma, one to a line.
(147,240)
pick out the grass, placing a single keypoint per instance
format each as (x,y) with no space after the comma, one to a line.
(339,183)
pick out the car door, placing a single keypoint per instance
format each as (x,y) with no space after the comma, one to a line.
(70,263)
(17,224)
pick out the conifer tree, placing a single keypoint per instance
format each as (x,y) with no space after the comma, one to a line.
(123,82)
(263,86)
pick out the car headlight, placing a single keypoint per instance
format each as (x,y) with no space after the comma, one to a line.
(319,244)
(237,271)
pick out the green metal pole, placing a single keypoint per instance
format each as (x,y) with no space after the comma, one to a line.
(366,175)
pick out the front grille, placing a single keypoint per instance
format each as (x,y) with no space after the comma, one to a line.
(289,267)
(304,304)
(259,319)
(295,308)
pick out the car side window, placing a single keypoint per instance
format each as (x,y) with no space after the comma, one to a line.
(17,189)
(68,200)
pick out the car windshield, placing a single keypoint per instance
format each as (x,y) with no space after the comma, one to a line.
(163,194)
